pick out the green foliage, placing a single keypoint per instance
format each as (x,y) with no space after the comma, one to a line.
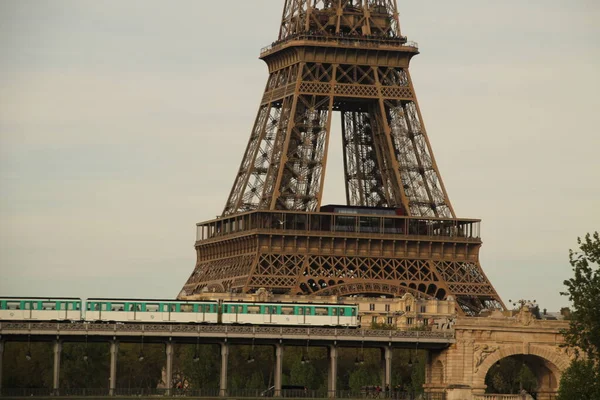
(20,373)
(363,375)
(580,381)
(510,376)
(383,327)
(136,374)
(304,374)
(203,373)
(78,373)
(583,290)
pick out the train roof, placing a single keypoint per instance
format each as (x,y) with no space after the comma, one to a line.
(39,298)
(291,303)
(151,300)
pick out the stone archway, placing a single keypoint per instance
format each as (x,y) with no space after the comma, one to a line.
(546,362)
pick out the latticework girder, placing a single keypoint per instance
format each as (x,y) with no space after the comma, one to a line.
(345,56)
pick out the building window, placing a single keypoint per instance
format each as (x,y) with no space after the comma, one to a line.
(423,309)
(390,321)
(409,321)
(371,307)
(374,320)
(387,307)
(407,309)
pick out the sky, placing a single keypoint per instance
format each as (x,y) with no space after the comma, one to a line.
(123,123)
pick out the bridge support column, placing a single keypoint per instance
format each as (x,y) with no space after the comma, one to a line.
(224,364)
(56,371)
(112,380)
(387,369)
(332,371)
(1,358)
(169,372)
(278,369)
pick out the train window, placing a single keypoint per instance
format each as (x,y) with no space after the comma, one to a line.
(342,312)
(117,307)
(321,311)
(354,311)
(334,311)
(253,310)
(13,305)
(186,308)
(300,311)
(27,305)
(287,310)
(152,307)
(234,309)
(173,307)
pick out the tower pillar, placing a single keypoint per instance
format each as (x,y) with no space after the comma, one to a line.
(224,366)
(169,367)
(387,368)
(57,350)
(332,354)
(112,380)
(278,369)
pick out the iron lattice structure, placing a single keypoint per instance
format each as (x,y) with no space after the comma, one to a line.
(347,56)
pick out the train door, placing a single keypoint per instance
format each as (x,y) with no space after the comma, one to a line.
(267,318)
(233,310)
(132,309)
(28,309)
(166,312)
(301,315)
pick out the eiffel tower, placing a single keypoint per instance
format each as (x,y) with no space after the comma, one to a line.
(398,232)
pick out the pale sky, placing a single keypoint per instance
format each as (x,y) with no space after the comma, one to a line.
(123,123)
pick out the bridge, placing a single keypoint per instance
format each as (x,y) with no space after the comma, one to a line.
(457,363)
(224,336)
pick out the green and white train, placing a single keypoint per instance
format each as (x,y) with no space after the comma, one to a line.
(176,311)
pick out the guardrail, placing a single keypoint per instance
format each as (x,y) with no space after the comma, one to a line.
(351,40)
(85,328)
(215,393)
(500,397)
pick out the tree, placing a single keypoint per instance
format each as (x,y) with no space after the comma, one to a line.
(579,381)
(510,376)
(583,290)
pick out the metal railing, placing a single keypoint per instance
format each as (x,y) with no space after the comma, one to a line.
(344,40)
(216,393)
(85,328)
(351,225)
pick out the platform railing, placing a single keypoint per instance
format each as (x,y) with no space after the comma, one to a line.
(348,39)
(340,224)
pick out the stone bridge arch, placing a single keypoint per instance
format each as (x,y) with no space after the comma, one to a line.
(550,365)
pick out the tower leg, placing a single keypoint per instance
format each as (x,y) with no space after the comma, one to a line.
(278,369)
(169,377)
(56,370)
(332,371)
(224,362)
(114,352)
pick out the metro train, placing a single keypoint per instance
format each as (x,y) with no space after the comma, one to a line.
(176,311)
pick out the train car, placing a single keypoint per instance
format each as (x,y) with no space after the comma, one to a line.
(289,314)
(40,309)
(161,311)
